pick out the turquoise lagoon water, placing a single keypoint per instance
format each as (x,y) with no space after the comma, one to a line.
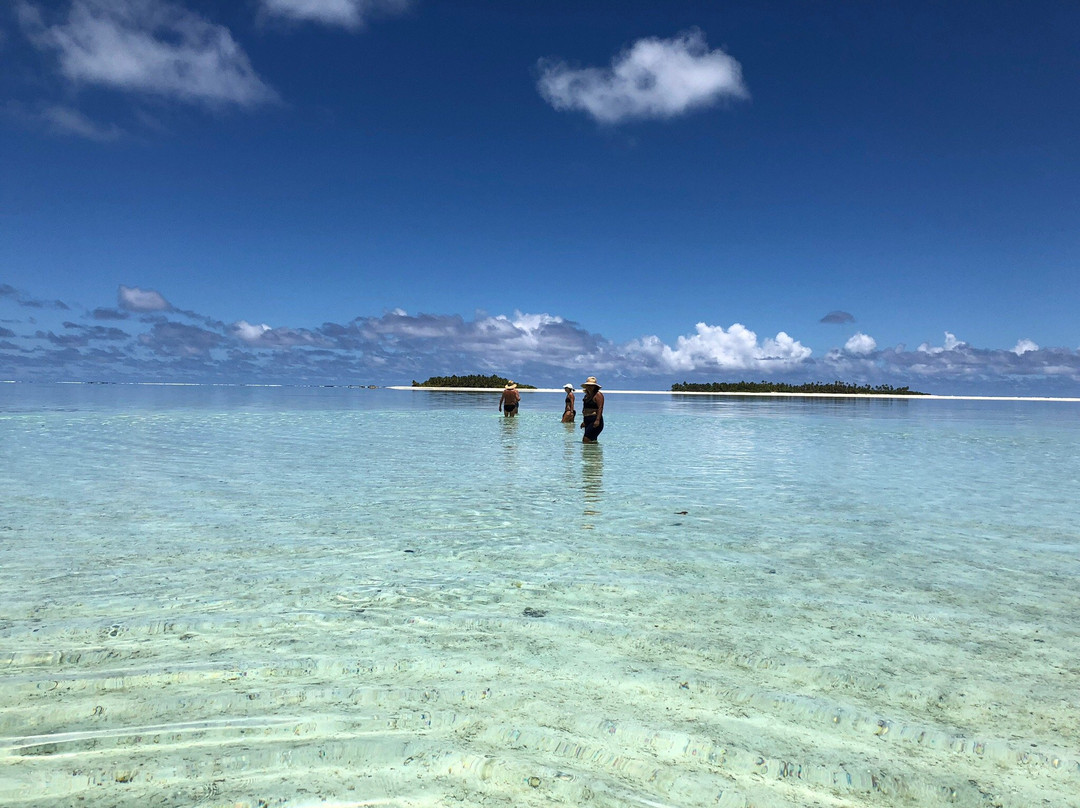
(228,596)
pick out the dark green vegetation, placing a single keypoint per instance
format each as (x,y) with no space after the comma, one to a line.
(473,380)
(778,387)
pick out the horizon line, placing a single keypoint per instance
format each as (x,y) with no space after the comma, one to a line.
(771,394)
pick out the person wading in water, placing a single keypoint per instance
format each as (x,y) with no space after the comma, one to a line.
(592,410)
(569,413)
(509,401)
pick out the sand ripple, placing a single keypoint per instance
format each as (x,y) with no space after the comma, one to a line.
(508,694)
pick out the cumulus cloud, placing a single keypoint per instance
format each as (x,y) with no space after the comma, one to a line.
(147,46)
(956,367)
(245,331)
(984,366)
(714,348)
(132,298)
(166,343)
(838,317)
(266,337)
(951,344)
(860,344)
(346,13)
(653,78)
(486,341)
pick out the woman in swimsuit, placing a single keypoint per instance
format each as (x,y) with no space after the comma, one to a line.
(508,404)
(569,413)
(592,410)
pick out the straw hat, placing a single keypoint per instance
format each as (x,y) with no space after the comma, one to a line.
(568,386)
(510,386)
(590,382)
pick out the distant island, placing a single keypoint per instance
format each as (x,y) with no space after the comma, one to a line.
(842,388)
(469,381)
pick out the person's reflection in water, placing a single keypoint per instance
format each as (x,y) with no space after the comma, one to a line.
(571,455)
(510,444)
(592,480)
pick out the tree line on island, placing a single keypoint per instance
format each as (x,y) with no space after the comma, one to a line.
(473,380)
(843,388)
(837,387)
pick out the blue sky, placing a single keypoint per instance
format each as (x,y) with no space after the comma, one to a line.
(375,191)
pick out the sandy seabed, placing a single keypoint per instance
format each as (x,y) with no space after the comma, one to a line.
(317,678)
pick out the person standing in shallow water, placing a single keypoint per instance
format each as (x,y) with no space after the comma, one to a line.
(509,401)
(569,413)
(592,410)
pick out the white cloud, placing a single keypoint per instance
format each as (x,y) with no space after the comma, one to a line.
(71,121)
(149,46)
(860,344)
(544,348)
(247,332)
(263,336)
(347,13)
(654,78)
(133,298)
(951,344)
(530,330)
(450,342)
(532,323)
(713,348)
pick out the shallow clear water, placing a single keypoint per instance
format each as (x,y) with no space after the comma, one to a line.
(311,596)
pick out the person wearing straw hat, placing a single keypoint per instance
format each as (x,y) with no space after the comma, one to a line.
(592,410)
(508,402)
(569,413)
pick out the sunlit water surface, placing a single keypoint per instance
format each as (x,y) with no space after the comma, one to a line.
(222,596)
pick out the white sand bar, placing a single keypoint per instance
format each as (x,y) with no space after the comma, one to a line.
(745,395)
